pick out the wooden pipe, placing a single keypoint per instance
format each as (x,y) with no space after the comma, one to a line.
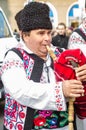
(71,100)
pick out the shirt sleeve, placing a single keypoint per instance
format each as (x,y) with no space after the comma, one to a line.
(28,93)
(76,41)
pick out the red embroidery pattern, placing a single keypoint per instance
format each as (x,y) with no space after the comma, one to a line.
(28,63)
(14,114)
(9,64)
(59,102)
(79,40)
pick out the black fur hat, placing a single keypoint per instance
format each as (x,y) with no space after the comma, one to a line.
(35,15)
(17,18)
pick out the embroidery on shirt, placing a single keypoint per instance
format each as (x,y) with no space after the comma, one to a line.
(28,63)
(14,114)
(9,64)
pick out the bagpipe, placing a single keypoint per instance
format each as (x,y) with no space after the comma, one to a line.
(64,70)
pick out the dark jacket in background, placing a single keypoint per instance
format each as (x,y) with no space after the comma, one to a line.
(60,41)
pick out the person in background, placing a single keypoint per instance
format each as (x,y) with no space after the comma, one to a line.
(16,34)
(33,97)
(54,32)
(78,37)
(69,31)
(61,40)
(78,40)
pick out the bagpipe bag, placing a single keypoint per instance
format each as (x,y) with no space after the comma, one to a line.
(65,71)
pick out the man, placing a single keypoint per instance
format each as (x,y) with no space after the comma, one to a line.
(34,98)
(60,40)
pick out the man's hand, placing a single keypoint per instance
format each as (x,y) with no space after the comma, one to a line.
(72,88)
(81,73)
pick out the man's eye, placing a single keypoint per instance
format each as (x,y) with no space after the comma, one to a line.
(41,33)
(49,32)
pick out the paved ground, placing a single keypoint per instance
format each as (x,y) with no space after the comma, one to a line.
(80,125)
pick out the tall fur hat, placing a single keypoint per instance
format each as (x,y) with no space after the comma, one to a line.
(17,18)
(35,15)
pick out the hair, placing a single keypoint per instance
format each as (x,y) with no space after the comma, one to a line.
(61,23)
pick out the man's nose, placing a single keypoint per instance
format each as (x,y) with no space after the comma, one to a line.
(47,37)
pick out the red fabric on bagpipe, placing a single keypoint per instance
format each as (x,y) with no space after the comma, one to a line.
(65,71)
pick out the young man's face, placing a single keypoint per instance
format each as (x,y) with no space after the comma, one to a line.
(61,30)
(37,40)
